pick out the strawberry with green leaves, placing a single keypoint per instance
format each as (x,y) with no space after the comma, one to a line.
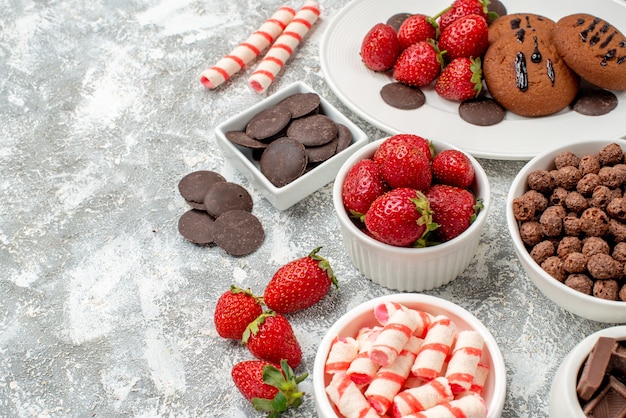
(234,310)
(362,185)
(380,47)
(401,217)
(403,164)
(454,168)
(271,388)
(461,79)
(465,37)
(270,337)
(300,283)
(416,28)
(418,65)
(453,210)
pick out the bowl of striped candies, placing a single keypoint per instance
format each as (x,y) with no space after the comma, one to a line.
(408,354)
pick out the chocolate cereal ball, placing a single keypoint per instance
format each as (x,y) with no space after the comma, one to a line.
(594,222)
(606,289)
(541,251)
(600,197)
(588,184)
(567,177)
(523,208)
(558,196)
(616,209)
(619,252)
(571,225)
(541,181)
(566,158)
(568,245)
(531,233)
(611,154)
(575,263)
(580,282)
(554,267)
(612,177)
(622,293)
(589,164)
(552,220)
(617,230)
(576,202)
(541,202)
(604,267)
(595,245)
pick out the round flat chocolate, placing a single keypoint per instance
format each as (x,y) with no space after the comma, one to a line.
(313,131)
(344,136)
(283,161)
(241,138)
(323,152)
(268,122)
(401,96)
(497,7)
(238,232)
(226,196)
(196,226)
(594,102)
(482,111)
(396,20)
(301,104)
(194,186)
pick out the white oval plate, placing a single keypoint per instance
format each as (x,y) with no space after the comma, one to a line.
(515,138)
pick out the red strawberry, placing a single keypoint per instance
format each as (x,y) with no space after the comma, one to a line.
(401,217)
(453,208)
(363,184)
(234,310)
(416,28)
(380,47)
(402,164)
(270,337)
(461,8)
(423,144)
(299,284)
(465,37)
(270,388)
(454,168)
(461,79)
(418,65)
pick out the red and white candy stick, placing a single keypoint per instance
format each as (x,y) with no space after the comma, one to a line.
(431,357)
(394,336)
(245,52)
(480,377)
(471,406)
(362,369)
(384,311)
(462,366)
(389,380)
(284,46)
(341,354)
(421,398)
(348,398)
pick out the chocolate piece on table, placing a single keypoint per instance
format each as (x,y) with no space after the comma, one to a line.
(323,152)
(241,138)
(238,232)
(313,130)
(609,403)
(194,186)
(401,96)
(301,104)
(283,161)
(226,196)
(268,122)
(594,102)
(196,226)
(482,111)
(595,367)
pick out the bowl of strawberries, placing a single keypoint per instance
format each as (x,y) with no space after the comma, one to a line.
(411,211)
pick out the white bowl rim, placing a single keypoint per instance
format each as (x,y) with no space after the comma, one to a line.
(344,218)
(496,404)
(513,227)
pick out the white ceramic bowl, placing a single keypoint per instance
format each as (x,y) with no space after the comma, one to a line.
(578,303)
(363,315)
(563,401)
(290,194)
(410,269)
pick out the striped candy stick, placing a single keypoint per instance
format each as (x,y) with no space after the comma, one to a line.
(421,398)
(342,353)
(384,311)
(437,343)
(463,364)
(348,398)
(395,334)
(245,52)
(471,406)
(362,370)
(284,46)
(389,380)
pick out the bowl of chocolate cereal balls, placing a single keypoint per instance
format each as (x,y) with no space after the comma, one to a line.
(566,214)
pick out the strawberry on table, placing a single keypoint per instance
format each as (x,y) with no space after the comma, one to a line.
(465,37)
(270,337)
(454,168)
(362,185)
(380,47)
(461,8)
(402,164)
(299,284)
(416,28)
(270,387)
(461,79)
(401,217)
(453,210)
(234,310)
(418,65)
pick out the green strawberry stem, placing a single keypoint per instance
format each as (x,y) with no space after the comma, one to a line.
(324,265)
(423,207)
(288,395)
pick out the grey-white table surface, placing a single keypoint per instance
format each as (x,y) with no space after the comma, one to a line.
(105,310)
